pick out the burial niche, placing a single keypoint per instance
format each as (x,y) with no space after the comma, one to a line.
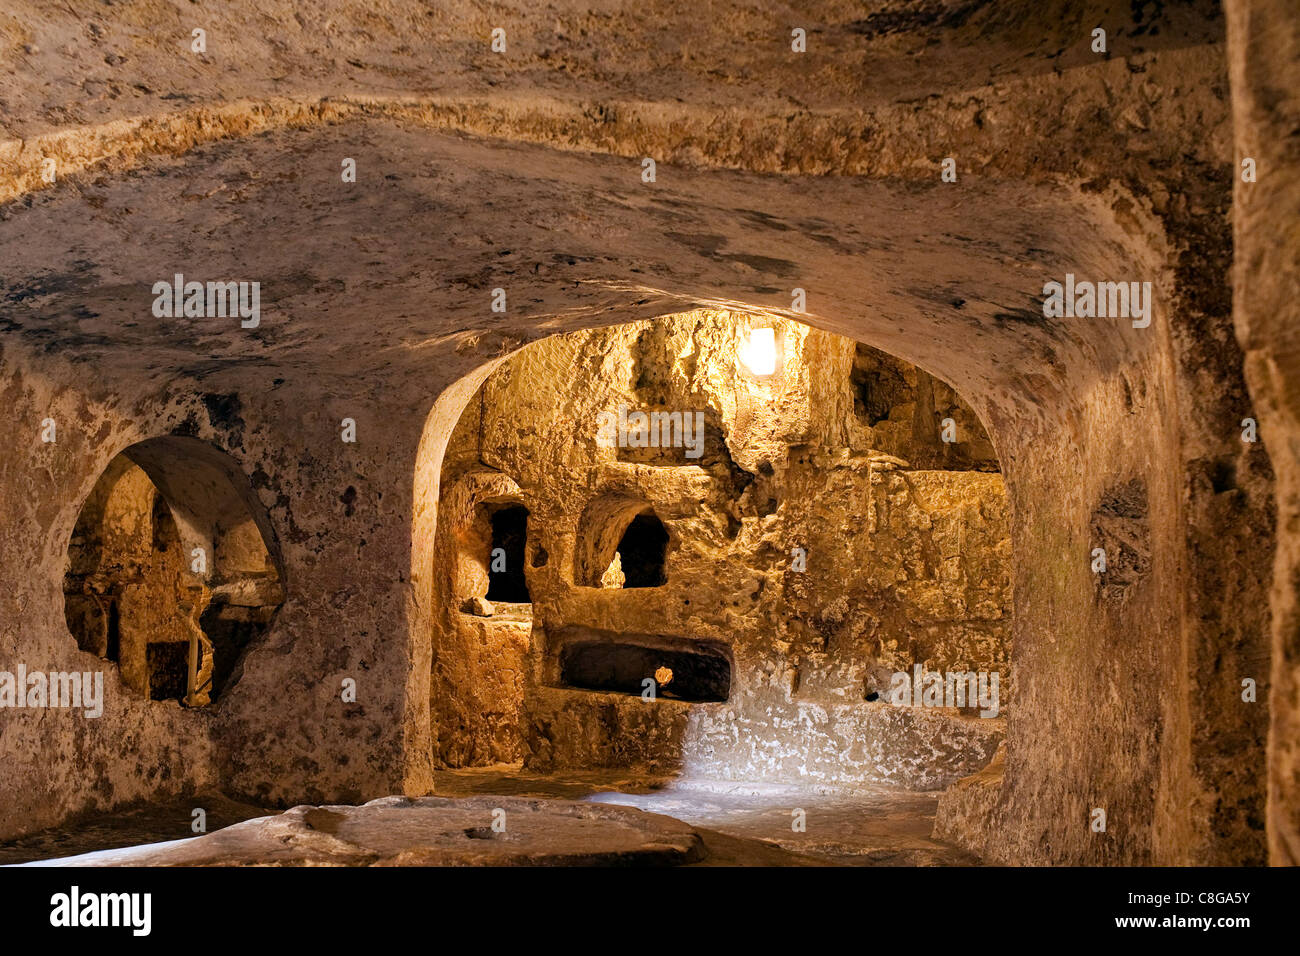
(622,544)
(686,671)
(641,552)
(169,574)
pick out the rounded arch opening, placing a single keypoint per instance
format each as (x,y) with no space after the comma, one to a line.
(622,543)
(172,570)
(822,550)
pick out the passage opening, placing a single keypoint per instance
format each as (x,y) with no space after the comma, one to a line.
(169,572)
(642,551)
(506,581)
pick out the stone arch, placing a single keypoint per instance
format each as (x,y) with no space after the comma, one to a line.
(943,275)
(419,735)
(172,569)
(469,506)
(587,541)
(603,531)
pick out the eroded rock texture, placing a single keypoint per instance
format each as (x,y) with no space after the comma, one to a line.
(748,534)
(137,595)
(127,157)
(431,831)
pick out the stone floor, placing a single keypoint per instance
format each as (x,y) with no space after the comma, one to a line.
(131,826)
(737,824)
(428,831)
(873,827)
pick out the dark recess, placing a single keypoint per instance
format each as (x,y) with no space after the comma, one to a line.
(702,675)
(509,533)
(642,551)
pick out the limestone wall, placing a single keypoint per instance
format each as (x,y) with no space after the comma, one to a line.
(479,171)
(821,565)
(1264,65)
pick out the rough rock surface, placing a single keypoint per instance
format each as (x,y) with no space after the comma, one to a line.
(792,547)
(775,171)
(868,826)
(966,807)
(430,831)
(1264,61)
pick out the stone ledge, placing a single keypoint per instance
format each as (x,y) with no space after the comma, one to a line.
(428,831)
(967,813)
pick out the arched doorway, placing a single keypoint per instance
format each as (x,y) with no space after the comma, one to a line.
(741,560)
(172,571)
